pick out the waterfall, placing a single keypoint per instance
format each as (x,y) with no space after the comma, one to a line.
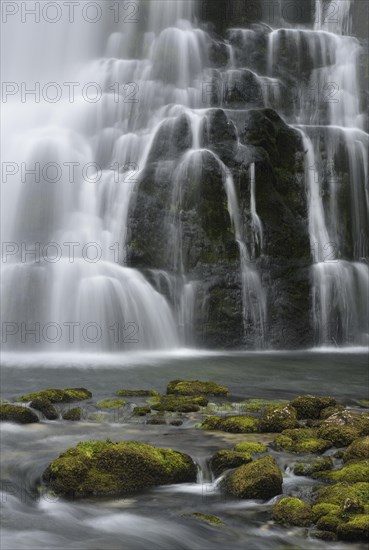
(141,118)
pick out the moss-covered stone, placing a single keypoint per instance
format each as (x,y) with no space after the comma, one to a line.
(353,472)
(177,403)
(359,449)
(261,479)
(207,518)
(176,422)
(356,529)
(277,419)
(327,536)
(231,424)
(292,511)
(314,466)
(116,468)
(344,427)
(73,414)
(136,393)
(329,522)
(18,414)
(66,395)
(111,403)
(251,447)
(212,423)
(260,404)
(224,460)
(324,509)
(309,406)
(338,493)
(196,387)
(300,441)
(45,407)
(328,411)
(141,411)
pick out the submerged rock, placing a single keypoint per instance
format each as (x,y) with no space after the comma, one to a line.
(66,395)
(17,413)
(225,460)
(207,518)
(278,418)
(141,411)
(137,393)
(196,387)
(292,511)
(261,479)
(45,407)
(101,468)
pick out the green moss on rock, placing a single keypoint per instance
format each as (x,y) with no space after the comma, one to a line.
(207,518)
(66,395)
(355,530)
(324,509)
(327,412)
(231,424)
(141,411)
(73,414)
(196,387)
(359,449)
(301,440)
(260,404)
(339,492)
(344,427)
(309,468)
(18,414)
(277,419)
(309,406)
(116,468)
(251,447)
(45,407)
(292,511)
(177,403)
(224,460)
(352,472)
(261,479)
(329,522)
(136,393)
(111,403)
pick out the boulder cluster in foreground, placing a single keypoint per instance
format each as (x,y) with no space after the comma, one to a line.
(337,508)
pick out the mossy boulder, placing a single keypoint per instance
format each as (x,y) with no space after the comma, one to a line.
(301,440)
(278,418)
(111,403)
(177,403)
(231,424)
(355,530)
(352,472)
(196,387)
(136,393)
(328,411)
(251,447)
(18,414)
(66,395)
(45,407)
(292,511)
(116,468)
(339,492)
(327,536)
(261,479)
(309,406)
(309,468)
(141,411)
(156,420)
(329,522)
(344,427)
(324,509)
(73,414)
(359,449)
(225,460)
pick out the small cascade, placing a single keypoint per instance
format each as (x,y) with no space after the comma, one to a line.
(256,222)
